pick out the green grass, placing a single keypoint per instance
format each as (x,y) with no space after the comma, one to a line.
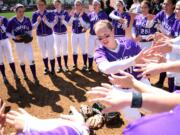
(10,14)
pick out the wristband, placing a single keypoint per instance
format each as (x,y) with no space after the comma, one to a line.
(136,100)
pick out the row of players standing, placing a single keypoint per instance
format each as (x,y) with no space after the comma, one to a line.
(48,22)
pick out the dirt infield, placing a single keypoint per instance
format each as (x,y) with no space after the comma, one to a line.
(55,94)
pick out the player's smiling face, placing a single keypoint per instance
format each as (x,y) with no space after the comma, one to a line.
(20,12)
(106,37)
(78,6)
(120,6)
(144,8)
(177,10)
(168,6)
(57,5)
(96,6)
(41,6)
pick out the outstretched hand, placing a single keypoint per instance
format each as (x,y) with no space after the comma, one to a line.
(113,99)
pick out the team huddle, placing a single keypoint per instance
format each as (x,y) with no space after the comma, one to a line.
(128,62)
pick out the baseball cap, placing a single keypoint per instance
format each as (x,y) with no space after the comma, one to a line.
(18,6)
(96,1)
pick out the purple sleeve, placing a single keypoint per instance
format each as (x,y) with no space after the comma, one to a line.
(158,17)
(134,25)
(34,18)
(158,124)
(67,16)
(128,17)
(99,55)
(85,17)
(9,27)
(29,24)
(63,130)
(104,16)
(5,22)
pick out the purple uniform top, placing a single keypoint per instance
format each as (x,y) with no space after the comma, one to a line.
(140,28)
(118,30)
(3,31)
(16,27)
(94,17)
(166,22)
(60,27)
(43,29)
(127,48)
(159,124)
(63,130)
(76,26)
(176,29)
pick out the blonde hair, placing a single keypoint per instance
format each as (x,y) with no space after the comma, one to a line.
(103,24)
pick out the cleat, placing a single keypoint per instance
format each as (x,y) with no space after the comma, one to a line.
(84,68)
(5,80)
(66,69)
(16,77)
(36,81)
(52,73)
(59,70)
(25,77)
(46,71)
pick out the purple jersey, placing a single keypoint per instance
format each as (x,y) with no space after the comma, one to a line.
(42,28)
(63,130)
(140,28)
(60,27)
(127,48)
(94,17)
(176,29)
(118,30)
(76,26)
(159,124)
(166,22)
(16,27)
(4,22)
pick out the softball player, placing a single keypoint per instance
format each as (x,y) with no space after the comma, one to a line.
(120,19)
(18,25)
(164,21)
(175,33)
(80,22)
(6,50)
(43,21)
(140,32)
(94,16)
(60,34)
(115,54)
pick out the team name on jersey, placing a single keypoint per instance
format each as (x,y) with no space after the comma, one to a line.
(21,27)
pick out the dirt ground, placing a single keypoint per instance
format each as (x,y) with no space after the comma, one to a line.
(55,94)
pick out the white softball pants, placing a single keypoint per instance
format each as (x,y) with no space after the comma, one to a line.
(6,51)
(61,44)
(25,52)
(93,43)
(46,45)
(78,40)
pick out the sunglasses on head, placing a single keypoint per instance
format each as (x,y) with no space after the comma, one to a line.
(105,36)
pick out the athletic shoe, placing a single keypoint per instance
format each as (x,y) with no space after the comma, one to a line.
(84,68)
(36,81)
(25,77)
(59,70)
(52,72)
(89,69)
(5,80)
(66,69)
(74,68)
(159,85)
(46,71)
(16,77)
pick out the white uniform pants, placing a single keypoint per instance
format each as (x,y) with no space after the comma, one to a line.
(46,45)
(25,52)
(78,40)
(6,51)
(61,44)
